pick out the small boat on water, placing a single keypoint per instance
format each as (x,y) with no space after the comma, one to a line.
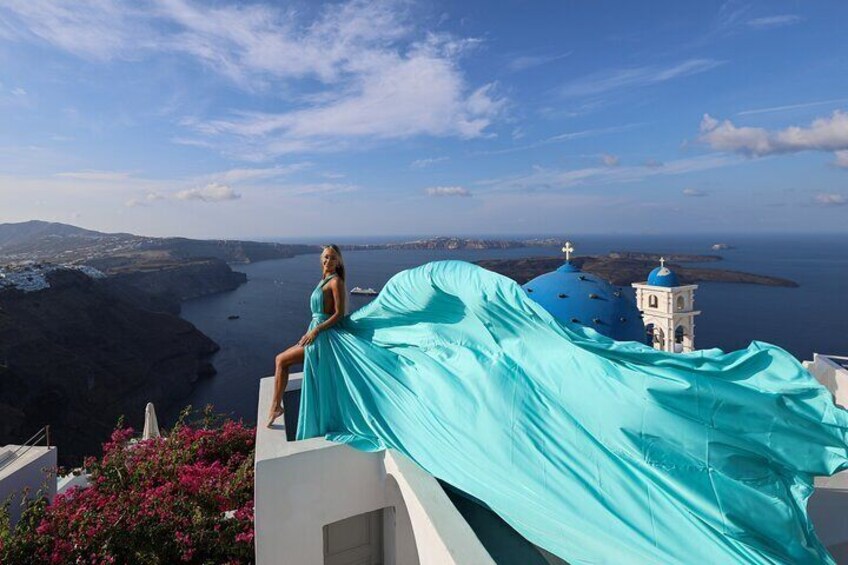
(364,291)
(232,317)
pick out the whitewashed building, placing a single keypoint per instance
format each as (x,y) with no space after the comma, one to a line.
(26,470)
(668,310)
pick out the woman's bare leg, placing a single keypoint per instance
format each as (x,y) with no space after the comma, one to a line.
(283,361)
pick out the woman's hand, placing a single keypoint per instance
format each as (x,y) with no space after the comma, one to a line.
(307,338)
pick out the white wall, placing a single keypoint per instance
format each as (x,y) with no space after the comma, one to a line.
(33,469)
(303,485)
(832,375)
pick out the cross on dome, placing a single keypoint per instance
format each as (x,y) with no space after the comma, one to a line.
(568,249)
(662,261)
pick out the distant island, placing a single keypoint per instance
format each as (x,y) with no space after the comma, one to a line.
(457,243)
(655,257)
(624,268)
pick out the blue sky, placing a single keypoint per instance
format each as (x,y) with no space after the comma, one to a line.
(218,119)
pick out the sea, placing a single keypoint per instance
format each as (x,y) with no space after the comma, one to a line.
(273,306)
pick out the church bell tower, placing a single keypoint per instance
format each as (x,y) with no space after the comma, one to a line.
(668,310)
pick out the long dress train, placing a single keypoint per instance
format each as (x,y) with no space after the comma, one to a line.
(596,450)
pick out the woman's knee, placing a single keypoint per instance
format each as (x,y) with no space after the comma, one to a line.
(282,360)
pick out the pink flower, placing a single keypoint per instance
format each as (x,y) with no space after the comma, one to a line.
(141,495)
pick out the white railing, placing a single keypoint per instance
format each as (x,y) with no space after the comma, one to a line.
(7,457)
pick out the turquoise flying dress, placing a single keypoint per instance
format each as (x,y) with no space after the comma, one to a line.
(596,450)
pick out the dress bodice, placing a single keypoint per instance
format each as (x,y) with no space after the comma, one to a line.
(316,301)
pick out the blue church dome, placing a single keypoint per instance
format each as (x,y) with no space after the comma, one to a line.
(663,276)
(575,297)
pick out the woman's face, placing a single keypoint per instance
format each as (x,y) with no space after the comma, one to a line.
(329,260)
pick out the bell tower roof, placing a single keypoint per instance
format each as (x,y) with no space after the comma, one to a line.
(663,276)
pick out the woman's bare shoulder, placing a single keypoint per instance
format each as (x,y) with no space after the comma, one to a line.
(336,282)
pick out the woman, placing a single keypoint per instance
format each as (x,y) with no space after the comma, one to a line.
(596,450)
(328,303)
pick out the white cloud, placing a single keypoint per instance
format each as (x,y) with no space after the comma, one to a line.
(545,180)
(841,159)
(830,199)
(243,42)
(823,134)
(371,72)
(563,137)
(97,176)
(523,62)
(91,29)
(610,160)
(769,22)
(634,77)
(693,192)
(212,192)
(447,191)
(427,162)
(730,15)
(148,199)
(420,94)
(243,175)
(791,107)
(316,189)
(192,142)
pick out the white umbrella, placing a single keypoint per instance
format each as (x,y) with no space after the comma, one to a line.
(151,425)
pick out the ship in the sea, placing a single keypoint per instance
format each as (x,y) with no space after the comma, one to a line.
(364,291)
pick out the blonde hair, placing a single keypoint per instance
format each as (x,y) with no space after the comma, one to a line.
(340,268)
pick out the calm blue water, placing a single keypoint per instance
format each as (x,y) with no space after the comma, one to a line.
(274,310)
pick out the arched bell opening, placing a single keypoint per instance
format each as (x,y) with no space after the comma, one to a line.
(654,336)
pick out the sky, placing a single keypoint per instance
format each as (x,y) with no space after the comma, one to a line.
(304,119)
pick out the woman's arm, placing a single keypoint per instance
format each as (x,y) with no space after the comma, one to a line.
(339,296)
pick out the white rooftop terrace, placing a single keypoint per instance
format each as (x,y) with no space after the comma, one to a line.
(322,502)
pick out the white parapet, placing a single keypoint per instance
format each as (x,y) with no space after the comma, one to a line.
(66,483)
(827,506)
(26,469)
(321,502)
(831,371)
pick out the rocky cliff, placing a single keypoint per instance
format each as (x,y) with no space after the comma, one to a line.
(163,286)
(81,353)
(62,243)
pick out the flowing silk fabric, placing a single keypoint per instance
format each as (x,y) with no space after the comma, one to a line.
(596,450)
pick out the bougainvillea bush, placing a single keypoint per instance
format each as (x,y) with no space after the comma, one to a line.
(187,498)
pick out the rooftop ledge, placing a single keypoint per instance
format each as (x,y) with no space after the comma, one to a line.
(303,486)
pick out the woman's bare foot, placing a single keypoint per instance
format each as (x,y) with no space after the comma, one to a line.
(275,413)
